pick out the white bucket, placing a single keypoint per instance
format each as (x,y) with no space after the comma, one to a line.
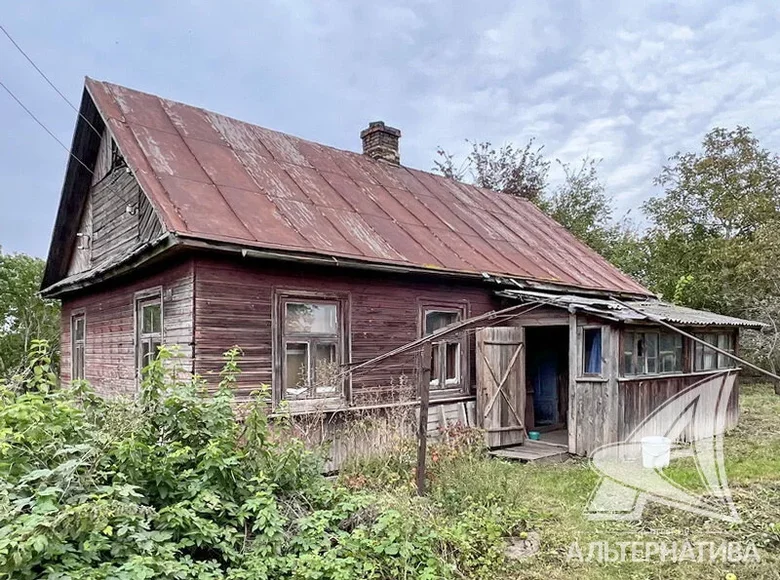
(656,452)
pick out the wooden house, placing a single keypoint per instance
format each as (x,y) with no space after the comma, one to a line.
(184,227)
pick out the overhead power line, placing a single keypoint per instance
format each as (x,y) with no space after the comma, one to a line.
(43,126)
(50,83)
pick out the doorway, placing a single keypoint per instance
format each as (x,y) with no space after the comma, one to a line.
(547,377)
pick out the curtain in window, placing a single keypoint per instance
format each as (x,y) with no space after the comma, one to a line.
(593,351)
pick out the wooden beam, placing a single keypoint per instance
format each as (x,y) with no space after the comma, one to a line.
(422,428)
(571,426)
(493,316)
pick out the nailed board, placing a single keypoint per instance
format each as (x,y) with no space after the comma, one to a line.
(501,384)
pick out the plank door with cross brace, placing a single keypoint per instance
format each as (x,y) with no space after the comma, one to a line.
(501,385)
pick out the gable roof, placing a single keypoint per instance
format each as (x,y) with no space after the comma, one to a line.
(213,178)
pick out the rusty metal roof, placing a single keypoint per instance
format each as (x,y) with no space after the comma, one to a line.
(645,310)
(214,178)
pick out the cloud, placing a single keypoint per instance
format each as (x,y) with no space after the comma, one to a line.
(630,83)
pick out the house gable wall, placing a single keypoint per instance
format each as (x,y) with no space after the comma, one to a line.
(109,312)
(117,217)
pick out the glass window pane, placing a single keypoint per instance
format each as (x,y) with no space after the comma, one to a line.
(310,318)
(435,363)
(155,349)
(651,343)
(725,342)
(706,358)
(668,342)
(78,362)
(437,320)
(670,352)
(452,362)
(326,369)
(628,354)
(652,366)
(146,353)
(151,318)
(78,330)
(628,363)
(592,351)
(296,370)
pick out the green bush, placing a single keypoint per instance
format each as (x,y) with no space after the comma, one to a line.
(172,485)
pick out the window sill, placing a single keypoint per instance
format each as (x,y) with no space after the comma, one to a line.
(674,375)
(591,379)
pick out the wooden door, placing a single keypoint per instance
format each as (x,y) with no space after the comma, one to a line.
(501,385)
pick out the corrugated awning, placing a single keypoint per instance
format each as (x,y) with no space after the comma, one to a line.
(640,311)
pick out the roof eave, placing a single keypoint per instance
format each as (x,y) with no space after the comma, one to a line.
(246,251)
(142,255)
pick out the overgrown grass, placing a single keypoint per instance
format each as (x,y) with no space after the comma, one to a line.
(550,499)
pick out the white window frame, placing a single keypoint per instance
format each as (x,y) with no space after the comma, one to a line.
(282,338)
(142,298)
(583,352)
(457,384)
(74,317)
(658,358)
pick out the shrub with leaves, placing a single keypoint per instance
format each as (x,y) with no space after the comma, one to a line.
(174,485)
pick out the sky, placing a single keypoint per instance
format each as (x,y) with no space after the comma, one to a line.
(629,83)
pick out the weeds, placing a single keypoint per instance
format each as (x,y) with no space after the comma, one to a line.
(173,485)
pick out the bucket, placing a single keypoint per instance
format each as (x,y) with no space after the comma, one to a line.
(534,435)
(656,452)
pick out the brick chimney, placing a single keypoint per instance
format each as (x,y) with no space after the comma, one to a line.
(381,142)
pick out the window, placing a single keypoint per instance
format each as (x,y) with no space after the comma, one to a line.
(706,359)
(650,353)
(311,340)
(149,325)
(670,352)
(591,351)
(78,332)
(446,355)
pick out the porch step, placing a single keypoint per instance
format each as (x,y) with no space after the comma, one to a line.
(533,451)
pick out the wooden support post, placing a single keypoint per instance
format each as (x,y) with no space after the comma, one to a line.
(422,428)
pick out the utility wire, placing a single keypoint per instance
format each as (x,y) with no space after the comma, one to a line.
(51,84)
(44,127)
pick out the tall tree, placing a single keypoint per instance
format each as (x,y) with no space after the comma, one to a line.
(24,315)
(508,169)
(706,247)
(581,205)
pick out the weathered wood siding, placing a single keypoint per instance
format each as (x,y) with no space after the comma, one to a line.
(104,159)
(607,410)
(81,258)
(594,402)
(117,216)
(115,230)
(639,398)
(234,306)
(110,325)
